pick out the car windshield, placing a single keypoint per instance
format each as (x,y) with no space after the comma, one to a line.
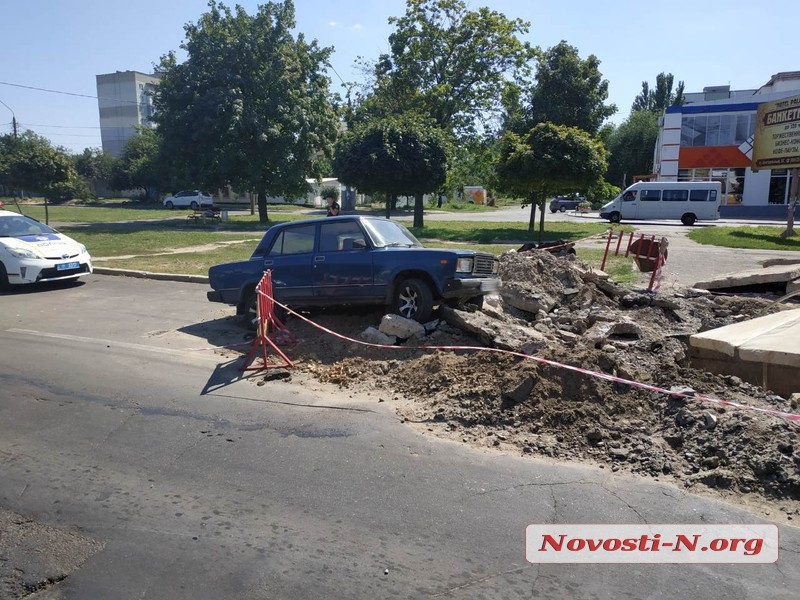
(385,233)
(20,225)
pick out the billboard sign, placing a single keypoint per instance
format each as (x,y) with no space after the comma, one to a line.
(776,144)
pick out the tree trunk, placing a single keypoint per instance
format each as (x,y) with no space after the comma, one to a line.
(388,206)
(792,204)
(263,217)
(393,199)
(532,220)
(541,201)
(418,206)
(46,212)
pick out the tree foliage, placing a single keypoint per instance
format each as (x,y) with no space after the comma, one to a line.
(142,164)
(250,106)
(661,97)
(568,91)
(95,166)
(396,155)
(547,160)
(631,146)
(448,63)
(31,163)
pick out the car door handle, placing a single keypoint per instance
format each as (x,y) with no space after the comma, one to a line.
(319,259)
(268,263)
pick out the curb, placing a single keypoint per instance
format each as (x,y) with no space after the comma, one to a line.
(149,275)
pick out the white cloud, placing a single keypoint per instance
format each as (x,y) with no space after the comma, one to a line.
(356,26)
(333,23)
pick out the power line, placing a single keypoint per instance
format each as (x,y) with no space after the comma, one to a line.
(38,89)
(63,126)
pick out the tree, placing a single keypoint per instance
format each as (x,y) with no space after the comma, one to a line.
(30,162)
(631,146)
(659,99)
(94,166)
(568,91)
(142,164)
(447,63)
(396,155)
(250,106)
(472,162)
(549,159)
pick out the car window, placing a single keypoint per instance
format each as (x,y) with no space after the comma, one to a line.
(651,195)
(389,233)
(22,225)
(294,240)
(339,236)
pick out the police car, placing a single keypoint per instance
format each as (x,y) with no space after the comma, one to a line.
(31,251)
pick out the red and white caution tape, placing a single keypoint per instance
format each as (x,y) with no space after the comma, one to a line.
(607,377)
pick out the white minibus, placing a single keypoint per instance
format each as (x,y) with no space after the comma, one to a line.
(688,201)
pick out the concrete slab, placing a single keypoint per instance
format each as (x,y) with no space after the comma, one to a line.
(755,277)
(764,351)
(781,261)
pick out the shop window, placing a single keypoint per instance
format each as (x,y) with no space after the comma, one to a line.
(712,131)
(778,185)
(742,129)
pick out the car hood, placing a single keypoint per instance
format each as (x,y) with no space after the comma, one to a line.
(47,245)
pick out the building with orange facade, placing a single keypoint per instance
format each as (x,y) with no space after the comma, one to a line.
(710,138)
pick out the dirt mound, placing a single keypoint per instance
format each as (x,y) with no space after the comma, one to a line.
(558,309)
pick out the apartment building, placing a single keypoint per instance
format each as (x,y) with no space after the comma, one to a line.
(125,101)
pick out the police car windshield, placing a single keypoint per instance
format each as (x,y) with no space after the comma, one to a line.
(20,225)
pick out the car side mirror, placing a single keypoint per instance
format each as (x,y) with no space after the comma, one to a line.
(359,244)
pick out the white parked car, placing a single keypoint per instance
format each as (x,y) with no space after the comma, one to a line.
(194,199)
(31,251)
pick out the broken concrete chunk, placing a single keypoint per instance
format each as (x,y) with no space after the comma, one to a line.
(525,300)
(599,333)
(755,277)
(400,327)
(373,336)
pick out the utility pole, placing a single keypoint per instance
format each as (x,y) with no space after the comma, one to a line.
(13,119)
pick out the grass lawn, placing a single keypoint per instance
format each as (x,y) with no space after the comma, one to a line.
(758,237)
(165,241)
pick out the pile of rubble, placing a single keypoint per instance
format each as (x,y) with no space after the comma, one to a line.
(558,310)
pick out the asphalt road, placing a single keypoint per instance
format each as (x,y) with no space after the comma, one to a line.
(116,419)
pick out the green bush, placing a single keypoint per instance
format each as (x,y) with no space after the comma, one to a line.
(329,190)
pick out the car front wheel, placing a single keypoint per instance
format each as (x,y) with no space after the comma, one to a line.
(562,208)
(3,277)
(413,299)
(194,205)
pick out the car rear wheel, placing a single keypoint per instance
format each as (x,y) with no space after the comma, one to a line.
(614,217)
(194,205)
(169,204)
(688,219)
(413,299)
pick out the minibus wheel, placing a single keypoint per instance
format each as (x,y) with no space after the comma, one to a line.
(614,217)
(688,219)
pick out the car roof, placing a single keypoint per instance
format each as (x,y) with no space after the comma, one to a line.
(329,219)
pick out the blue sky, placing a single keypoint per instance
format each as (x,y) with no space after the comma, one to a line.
(62,46)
